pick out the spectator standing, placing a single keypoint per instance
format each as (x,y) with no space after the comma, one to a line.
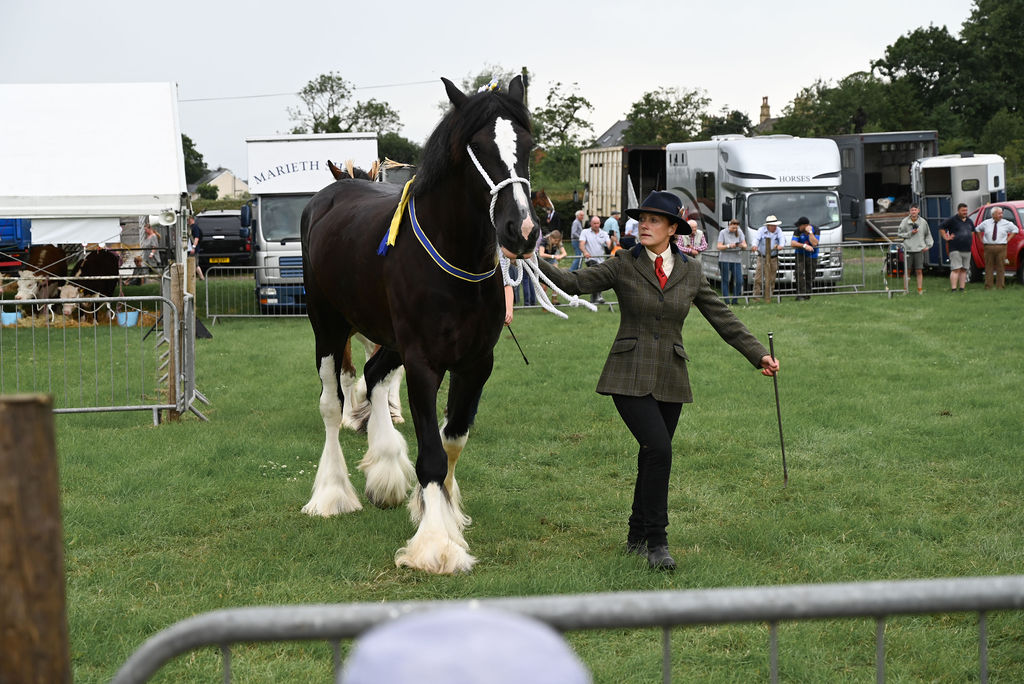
(805,242)
(995,232)
(693,244)
(552,251)
(731,244)
(575,232)
(630,233)
(611,225)
(958,232)
(553,221)
(767,244)
(917,240)
(195,237)
(593,244)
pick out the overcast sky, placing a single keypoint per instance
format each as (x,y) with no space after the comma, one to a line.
(236,63)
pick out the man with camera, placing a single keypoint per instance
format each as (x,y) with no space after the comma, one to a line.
(917,240)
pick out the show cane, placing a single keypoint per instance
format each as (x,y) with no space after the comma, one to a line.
(778,412)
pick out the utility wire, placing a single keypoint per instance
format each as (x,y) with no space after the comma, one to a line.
(251,97)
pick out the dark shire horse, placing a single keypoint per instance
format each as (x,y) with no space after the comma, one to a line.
(431,295)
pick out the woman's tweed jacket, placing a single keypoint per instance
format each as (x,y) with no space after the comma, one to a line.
(648,356)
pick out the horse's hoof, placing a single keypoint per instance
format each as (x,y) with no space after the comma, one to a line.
(333,502)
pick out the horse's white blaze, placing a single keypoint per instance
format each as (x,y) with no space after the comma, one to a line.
(438,545)
(505,139)
(386,463)
(332,491)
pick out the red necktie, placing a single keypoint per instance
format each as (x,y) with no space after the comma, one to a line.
(994,224)
(660,272)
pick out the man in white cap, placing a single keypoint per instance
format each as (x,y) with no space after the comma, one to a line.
(766,248)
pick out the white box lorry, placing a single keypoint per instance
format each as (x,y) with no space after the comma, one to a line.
(750,178)
(285,171)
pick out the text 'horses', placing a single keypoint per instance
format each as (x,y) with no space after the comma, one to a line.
(425,287)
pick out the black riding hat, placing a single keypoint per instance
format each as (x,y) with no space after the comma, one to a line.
(666,204)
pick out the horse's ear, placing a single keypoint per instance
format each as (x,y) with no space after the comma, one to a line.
(456,96)
(335,171)
(515,88)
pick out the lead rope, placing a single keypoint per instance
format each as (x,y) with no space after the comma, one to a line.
(531,267)
(528,265)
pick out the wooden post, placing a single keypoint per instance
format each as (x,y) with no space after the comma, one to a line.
(177,272)
(33,620)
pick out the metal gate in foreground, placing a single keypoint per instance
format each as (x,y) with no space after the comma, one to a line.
(108,354)
(665,609)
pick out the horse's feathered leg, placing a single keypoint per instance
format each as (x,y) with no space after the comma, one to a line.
(353,416)
(464,392)
(386,463)
(438,545)
(395,395)
(332,490)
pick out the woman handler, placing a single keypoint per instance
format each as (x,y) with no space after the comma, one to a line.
(645,373)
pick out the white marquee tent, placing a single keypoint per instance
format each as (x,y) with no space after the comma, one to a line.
(76,157)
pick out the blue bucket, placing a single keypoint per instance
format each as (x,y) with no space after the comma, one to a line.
(9,318)
(127,319)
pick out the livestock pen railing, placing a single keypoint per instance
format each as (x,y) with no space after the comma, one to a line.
(664,609)
(104,354)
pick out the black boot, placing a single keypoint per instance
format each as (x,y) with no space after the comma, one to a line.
(658,558)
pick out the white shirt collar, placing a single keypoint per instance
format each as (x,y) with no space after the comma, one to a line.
(667,258)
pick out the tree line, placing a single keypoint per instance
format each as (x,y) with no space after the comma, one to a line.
(969,87)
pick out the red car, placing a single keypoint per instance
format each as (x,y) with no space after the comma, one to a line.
(1014,213)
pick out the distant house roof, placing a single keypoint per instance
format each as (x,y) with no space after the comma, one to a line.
(613,137)
(208,177)
(764,127)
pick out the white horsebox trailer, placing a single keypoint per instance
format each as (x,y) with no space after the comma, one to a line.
(75,158)
(941,183)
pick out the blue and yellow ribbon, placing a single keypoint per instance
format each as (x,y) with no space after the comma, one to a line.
(396,220)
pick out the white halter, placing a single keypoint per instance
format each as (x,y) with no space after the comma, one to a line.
(495,188)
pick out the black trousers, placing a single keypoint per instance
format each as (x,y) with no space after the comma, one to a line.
(652,423)
(805,268)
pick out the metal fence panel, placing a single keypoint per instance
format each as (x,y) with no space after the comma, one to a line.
(664,609)
(233,291)
(108,354)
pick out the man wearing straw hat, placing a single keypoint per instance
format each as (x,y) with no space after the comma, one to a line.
(766,253)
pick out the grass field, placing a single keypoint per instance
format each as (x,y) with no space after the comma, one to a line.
(903,433)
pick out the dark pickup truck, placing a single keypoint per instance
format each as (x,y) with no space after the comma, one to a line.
(224,241)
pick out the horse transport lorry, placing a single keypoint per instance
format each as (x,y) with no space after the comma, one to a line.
(614,177)
(942,183)
(877,166)
(732,176)
(285,171)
